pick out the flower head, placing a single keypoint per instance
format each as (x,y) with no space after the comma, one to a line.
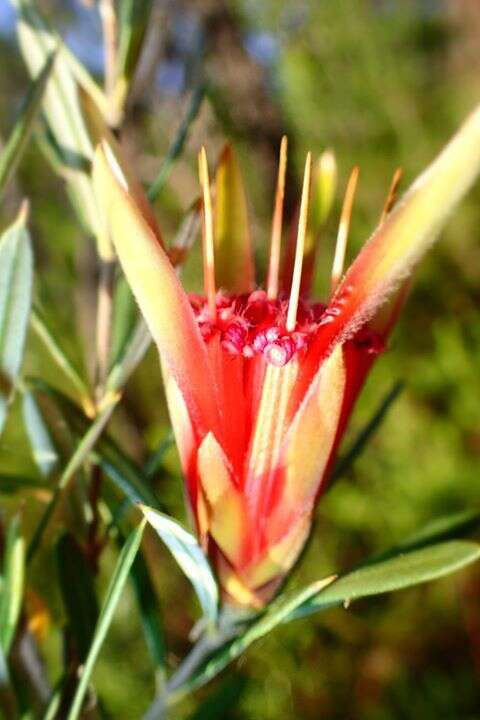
(260,383)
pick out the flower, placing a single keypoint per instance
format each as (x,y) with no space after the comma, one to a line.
(260,383)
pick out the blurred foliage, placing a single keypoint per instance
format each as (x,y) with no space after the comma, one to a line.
(383,82)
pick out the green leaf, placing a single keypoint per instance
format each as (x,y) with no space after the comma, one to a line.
(43,450)
(190,557)
(395,573)
(176,148)
(14,483)
(123,472)
(12,587)
(124,318)
(404,570)
(126,476)
(133,20)
(133,353)
(149,613)
(17,142)
(112,598)
(58,354)
(81,453)
(61,106)
(154,462)
(16,278)
(78,592)
(445,528)
(346,461)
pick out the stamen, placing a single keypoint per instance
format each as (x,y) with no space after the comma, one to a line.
(274,265)
(207,236)
(392,194)
(299,249)
(343,228)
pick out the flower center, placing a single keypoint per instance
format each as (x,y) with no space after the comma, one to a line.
(252,324)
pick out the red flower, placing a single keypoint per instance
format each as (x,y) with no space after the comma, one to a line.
(260,384)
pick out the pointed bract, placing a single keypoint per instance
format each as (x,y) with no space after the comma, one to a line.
(163,302)
(233,247)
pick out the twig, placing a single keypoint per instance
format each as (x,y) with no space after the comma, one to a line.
(104,324)
(109,29)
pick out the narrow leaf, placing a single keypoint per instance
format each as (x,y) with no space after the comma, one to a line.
(112,598)
(16,278)
(43,450)
(190,557)
(149,612)
(17,142)
(395,573)
(12,587)
(176,148)
(133,22)
(14,483)
(450,527)
(78,592)
(58,354)
(61,106)
(81,453)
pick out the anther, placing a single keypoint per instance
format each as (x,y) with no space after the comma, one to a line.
(277,222)
(299,249)
(392,194)
(207,233)
(343,228)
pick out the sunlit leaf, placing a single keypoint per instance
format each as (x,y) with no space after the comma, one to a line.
(43,449)
(11,593)
(112,597)
(402,571)
(78,592)
(190,557)
(16,278)
(149,612)
(58,354)
(61,107)
(133,20)
(17,142)
(395,573)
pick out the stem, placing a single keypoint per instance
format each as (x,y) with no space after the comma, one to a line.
(109,29)
(104,324)
(205,646)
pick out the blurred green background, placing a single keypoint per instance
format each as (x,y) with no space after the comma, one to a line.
(385,83)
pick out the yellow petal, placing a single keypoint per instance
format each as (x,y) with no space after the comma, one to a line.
(310,439)
(163,302)
(226,512)
(281,556)
(235,588)
(234,268)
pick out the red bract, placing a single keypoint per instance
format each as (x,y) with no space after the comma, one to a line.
(260,384)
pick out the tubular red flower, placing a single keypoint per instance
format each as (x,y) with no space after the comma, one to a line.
(260,385)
